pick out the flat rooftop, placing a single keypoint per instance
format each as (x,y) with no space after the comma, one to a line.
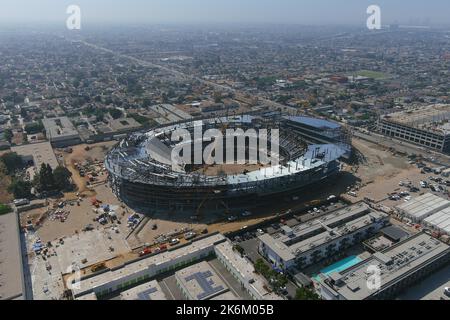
(395,263)
(200,281)
(124,124)
(147,291)
(440,220)
(227,296)
(87,284)
(11,269)
(315,122)
(170,113)
(434,118)
(310,235)
(423,206)
(40,153)
(59,128)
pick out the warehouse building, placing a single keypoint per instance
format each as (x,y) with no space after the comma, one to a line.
(422,207)
(169,114)
(200,282)
(312,242)
(440,221)
(399,267)
(61,132)
(36,154)
(135,272)
(12,281)
(147,291)
(426,126)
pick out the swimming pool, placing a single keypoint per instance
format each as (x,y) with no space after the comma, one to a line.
(339,266)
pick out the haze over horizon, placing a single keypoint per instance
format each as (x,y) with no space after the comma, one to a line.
(303,12)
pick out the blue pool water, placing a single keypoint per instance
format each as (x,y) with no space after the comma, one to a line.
(339,266)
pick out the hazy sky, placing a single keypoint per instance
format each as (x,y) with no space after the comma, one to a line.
(306,12)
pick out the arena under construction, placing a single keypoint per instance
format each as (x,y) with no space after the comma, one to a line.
(143,174)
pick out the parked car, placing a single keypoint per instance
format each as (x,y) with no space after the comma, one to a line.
(246,214)
(21,202)
(447,291)
(190,235)
(145,252)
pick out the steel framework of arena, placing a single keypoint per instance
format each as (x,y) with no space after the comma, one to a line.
(141,174)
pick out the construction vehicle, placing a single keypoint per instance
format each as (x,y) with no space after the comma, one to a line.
(145,252)
(98,267)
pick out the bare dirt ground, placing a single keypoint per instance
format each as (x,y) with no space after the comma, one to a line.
(5,181)
(82,215)
(382,172)
(80,154)
(380,163)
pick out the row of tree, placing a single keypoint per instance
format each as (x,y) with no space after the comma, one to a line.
(46,180)
(52,180)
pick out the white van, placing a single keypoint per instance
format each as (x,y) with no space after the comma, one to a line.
(21,202)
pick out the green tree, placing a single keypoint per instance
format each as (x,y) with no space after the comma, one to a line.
(12,162)
(306,294)
(261,267)
(61,177)
(116,113)
(4,209)
(35,127)
(217,97)
(8,134)
(239,249)
(146,102)
(20,189)
(44,180)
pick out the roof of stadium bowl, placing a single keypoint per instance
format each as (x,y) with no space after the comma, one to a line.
(146,157)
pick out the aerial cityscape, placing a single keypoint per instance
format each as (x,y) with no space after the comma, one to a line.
(189,160)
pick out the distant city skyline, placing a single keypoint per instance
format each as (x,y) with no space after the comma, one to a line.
(302,12)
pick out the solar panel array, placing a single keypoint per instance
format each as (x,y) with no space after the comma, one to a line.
(206,283)
(146,294)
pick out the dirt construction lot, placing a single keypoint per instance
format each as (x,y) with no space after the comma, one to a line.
(381,173)
(82,153)
(80,216)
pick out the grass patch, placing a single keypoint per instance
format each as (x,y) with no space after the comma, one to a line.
(4,209)
(372,74)
(142,120)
